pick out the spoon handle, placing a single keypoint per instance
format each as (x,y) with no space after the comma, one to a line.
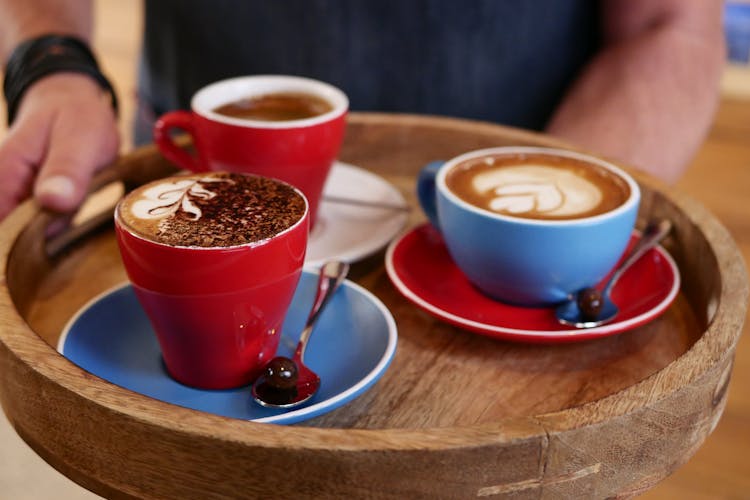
(652,235)
(364,203)
(331,275)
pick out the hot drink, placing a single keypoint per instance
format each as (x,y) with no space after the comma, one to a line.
(538,186)
(276,107)
(214,259)
(530,225)
(285,127)
(211,209)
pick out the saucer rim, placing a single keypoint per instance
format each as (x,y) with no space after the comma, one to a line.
(289,416)
(351,254)
(494,330)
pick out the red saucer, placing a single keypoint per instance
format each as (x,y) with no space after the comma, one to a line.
(420,267)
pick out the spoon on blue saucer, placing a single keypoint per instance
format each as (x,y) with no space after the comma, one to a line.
(590,307)
(288,382)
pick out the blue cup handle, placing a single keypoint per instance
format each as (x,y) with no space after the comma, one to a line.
(427,193)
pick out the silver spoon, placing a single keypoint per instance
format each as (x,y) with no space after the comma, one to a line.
(604,310)
(285,382)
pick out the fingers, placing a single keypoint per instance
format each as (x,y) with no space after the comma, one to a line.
(81,141)
(20,152)
(14,187)
(65,130)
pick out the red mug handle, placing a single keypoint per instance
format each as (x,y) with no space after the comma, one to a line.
(182,120)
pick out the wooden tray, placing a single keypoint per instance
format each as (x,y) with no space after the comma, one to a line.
(457,415)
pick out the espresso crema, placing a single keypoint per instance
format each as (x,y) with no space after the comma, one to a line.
(274,107)
(211,209)
(538,186)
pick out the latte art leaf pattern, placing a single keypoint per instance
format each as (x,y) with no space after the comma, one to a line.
(211,209)
(537,189)
(522,198)
(166,199)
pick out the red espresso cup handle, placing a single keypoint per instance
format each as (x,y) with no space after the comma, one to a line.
(180,120)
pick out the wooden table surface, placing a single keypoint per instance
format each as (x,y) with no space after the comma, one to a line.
(719,179)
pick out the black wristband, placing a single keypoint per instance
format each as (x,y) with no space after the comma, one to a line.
(41,56)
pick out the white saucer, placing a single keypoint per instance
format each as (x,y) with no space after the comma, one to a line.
(351,232)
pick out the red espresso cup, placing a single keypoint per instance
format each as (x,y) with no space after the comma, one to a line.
(217,311)
(299,151)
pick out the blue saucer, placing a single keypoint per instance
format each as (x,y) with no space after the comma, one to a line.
(351,347)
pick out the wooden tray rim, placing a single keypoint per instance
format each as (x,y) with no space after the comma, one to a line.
(715,344)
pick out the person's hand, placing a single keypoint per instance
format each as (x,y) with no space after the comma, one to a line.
(65,130)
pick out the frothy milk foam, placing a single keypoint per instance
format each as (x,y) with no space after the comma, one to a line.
(165,198)
(538,186)
(211,209)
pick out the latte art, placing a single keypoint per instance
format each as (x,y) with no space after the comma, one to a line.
(215,209)
(165,199)
(537,186)
(537,189)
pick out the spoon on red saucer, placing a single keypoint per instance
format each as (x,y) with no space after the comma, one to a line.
(590,307)
(288,382)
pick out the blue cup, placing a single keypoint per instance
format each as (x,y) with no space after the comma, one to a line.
(530,262)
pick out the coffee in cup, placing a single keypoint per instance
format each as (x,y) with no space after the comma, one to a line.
(276,107)
(212,210)
(214,259)
(538,186)
(528,225)
(286,127)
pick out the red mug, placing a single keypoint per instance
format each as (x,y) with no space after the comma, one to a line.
(300,152)
(217,311)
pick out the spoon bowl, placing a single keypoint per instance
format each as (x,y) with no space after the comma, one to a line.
(571,313)
(267,394)
(285,382)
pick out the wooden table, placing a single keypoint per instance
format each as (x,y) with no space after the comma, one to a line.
(457,414)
